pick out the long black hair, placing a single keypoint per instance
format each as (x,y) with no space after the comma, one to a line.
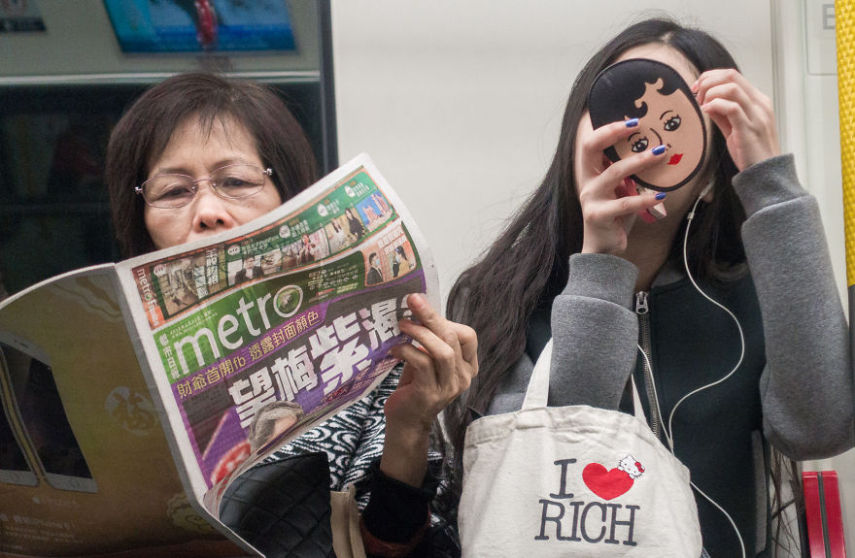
(528,263)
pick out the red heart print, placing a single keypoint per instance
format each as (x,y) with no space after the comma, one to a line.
(604,483)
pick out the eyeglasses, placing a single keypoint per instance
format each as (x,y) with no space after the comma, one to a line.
(231,182)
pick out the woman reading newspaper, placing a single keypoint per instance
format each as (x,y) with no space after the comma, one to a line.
(198,130)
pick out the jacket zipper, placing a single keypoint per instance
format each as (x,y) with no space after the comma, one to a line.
(642,309)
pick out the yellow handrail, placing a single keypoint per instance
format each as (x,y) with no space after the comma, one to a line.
(844,16)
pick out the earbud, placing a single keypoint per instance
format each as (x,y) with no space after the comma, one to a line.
(707,189)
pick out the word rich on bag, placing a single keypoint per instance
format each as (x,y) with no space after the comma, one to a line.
(565,518)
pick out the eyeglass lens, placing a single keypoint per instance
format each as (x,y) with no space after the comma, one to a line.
(177,190)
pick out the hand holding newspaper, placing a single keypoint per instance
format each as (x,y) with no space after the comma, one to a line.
(235,345)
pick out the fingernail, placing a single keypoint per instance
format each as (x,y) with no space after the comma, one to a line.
(661,196)
(631,123)
(659,150)
(414,299)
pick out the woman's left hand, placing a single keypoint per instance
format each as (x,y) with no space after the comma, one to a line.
(743,114)
(434,375)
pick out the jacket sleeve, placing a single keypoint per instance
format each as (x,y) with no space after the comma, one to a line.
(397,519)
(594,331)
(807,387)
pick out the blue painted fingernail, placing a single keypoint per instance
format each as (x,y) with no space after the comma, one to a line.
(661,196)
(631,123)
(659,150)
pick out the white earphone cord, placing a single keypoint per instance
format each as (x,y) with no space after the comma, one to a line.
(668,430)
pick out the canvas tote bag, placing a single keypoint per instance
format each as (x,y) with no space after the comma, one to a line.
(573,481)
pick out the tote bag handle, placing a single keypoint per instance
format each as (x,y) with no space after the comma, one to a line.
(538,386)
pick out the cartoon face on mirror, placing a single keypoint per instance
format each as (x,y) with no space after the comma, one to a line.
(667,113)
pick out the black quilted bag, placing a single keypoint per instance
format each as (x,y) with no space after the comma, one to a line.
(283,508)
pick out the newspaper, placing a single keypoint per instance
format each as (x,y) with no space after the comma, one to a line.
(133,393)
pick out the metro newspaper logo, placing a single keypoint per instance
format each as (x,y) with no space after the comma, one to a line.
(333,351)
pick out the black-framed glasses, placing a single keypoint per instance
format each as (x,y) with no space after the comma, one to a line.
(231,182)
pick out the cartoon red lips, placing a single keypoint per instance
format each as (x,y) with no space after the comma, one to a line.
(675,158)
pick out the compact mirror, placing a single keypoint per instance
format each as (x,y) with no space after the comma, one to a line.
(667,113)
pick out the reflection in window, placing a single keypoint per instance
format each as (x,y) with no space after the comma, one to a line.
(44,420)
(14,468)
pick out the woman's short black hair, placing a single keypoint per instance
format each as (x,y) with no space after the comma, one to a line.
(617,88)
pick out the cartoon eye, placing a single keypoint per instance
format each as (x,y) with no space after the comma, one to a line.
(639,145)
(672,124)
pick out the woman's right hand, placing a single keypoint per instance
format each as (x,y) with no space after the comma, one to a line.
(609,209)
(436,371)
